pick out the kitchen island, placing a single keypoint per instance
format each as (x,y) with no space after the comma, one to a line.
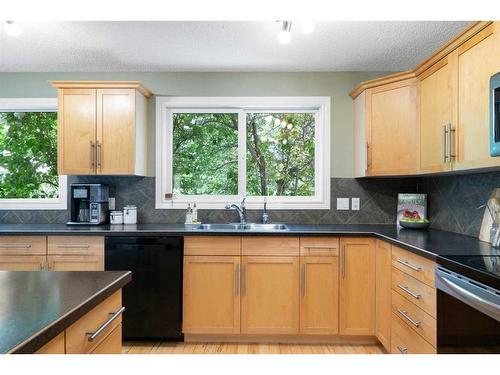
(36,307)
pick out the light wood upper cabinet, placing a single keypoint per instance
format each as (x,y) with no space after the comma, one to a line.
(476,61)
(76,141)
(211,302)
(386,130)
(383,293)
(357,286)
(270,295)
(435,113)
(319,295)
(102,128)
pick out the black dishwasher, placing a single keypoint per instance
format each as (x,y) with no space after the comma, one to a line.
(153,300)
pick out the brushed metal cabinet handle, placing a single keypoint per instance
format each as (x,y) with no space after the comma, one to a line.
(405,315)
(367,149)
(40,266)
(15,246)
(237,284)
(95,334)
(451,147)
(243,281)
(402,350)
(445,144)
(405,289)
(98,153)
(343,261)
(91,156)
(409,265)
(303,281)
(69,246)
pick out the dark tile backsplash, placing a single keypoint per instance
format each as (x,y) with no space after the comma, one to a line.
(378,204)
(452,202)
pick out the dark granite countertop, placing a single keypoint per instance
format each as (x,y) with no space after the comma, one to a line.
(447,248)
(36,306)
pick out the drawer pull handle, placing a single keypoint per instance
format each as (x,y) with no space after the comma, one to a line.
(405,289)
(409,265)
(93,335)
(15,246)
(318,247)
(73,246)
(405,315)
(403,350)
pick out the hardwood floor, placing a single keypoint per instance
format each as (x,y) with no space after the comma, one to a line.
(139,347)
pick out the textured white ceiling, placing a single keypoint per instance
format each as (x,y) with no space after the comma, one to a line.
(220,46)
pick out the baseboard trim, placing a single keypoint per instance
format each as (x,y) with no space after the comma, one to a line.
(284,339)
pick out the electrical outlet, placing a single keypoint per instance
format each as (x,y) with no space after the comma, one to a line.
(355,204)
(111,203)
(342,203)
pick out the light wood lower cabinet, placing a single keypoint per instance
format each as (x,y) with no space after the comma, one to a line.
(357,286)
(52,253)
(76,338)
(383,293)
(270,298)
(211,295)
(319,295)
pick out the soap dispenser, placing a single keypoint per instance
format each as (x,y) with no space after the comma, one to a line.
(189,215)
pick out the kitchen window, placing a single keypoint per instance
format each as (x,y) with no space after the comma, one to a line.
(28,155)
(216,150)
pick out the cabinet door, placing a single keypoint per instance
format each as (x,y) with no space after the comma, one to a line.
(392,129)
(477,60)
(383,261)
(116,131)
(76,131)
(319,297)
(22,262)
(270,295)
(435,99)
(211,294)
(357,286)
(55,346)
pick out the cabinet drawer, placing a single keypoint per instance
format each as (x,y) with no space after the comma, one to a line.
(414,265)
(22,262)
(212,245)
(75,245)
(75,263)
(280,246)
(417,319)
(23,245)
(404,340)
(319,246)
(77,338)
(112,344)
(414,291)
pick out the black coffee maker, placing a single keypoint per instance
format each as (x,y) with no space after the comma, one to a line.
(89,204)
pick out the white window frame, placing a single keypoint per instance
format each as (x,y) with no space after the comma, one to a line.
(60,203)
(165,106)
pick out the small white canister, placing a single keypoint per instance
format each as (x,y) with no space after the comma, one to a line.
(116,217)
(130,214)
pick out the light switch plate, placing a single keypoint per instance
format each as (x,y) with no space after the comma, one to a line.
(342,203)
(355,204)
(111,203)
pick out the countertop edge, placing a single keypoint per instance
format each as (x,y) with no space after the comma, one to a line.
(36,341)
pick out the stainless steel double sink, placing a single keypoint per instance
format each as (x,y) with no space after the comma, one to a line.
(239,227)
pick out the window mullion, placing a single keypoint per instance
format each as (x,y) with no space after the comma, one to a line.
(242,147)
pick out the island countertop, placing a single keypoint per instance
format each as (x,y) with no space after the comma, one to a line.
(36,306)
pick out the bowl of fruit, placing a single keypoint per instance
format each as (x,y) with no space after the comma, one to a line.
(412,220)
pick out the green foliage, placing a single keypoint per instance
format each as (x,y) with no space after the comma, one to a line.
(280,154)
(205,153)
(28,155)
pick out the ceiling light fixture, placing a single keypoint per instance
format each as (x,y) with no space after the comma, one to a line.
(12,29)
(307,27)
(285,35)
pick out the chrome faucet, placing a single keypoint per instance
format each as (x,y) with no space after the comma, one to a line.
(265,215)
(242,211)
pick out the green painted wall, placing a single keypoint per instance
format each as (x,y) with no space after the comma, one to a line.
(337,85)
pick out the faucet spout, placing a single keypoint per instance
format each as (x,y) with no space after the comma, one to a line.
(242,212)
